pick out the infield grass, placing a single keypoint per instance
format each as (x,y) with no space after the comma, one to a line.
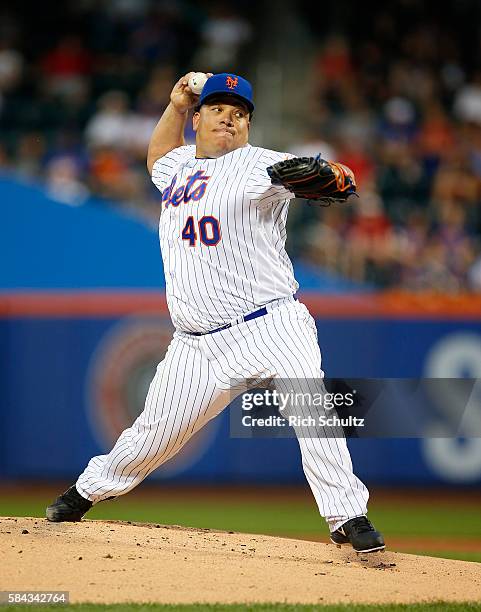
(419,607)
(459,532)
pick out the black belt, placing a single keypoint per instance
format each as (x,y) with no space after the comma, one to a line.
(248,317)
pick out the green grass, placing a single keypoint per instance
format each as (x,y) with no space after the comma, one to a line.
(460,555)
(427,520)
(269,517)
(262,517)
(420,607)
(274,517)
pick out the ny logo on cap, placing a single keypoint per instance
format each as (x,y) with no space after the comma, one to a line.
(231,82)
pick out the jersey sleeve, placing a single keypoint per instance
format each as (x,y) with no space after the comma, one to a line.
(259,185)
(165,167)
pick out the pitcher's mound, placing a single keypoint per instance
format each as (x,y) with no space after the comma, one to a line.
(101,561)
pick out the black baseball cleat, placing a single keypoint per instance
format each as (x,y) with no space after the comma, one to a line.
(360,533)
(70,506)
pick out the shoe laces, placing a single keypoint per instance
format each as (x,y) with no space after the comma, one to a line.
(73,499)
(69,497)
(362,525)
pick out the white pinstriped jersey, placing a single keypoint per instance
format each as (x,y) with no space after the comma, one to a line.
(222,235)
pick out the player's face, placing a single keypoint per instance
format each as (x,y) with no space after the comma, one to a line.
(220,128)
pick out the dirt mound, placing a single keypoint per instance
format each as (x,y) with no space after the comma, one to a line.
(101,561)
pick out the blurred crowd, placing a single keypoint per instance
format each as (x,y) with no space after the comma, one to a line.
(397,97)
(398,100)
(82,89)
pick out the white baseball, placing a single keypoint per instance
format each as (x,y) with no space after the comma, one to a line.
(197,82)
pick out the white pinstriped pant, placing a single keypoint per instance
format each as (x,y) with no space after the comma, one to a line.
(192,385)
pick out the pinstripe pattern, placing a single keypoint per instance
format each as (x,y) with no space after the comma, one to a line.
(192,385)
(249,267)
(207,287)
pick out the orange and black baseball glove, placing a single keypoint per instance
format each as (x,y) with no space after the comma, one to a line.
(314,178)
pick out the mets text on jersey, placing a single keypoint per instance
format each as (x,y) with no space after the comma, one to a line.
(185,193)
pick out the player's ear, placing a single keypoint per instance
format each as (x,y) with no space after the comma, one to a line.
(195,120)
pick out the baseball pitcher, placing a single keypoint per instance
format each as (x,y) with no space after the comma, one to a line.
(231,293)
